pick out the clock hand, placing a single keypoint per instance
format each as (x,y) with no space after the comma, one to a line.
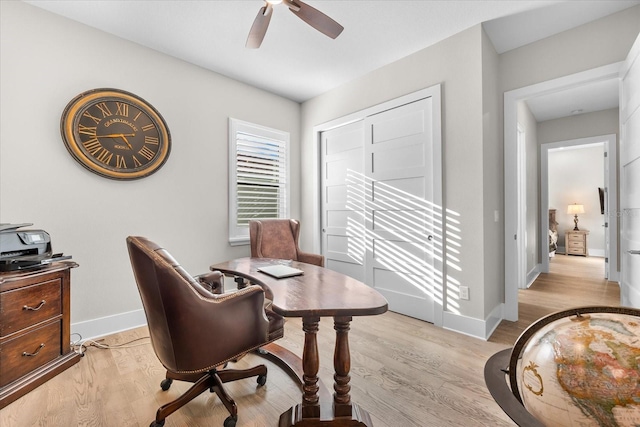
(115,135)
(126,141)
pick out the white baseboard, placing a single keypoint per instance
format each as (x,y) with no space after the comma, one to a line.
(533,274)
(481,329)
(100,327)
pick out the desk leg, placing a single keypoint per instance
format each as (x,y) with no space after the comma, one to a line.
(342,413)
(310,367)
(342,366)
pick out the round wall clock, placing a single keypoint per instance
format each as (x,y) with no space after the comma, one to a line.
(115,134)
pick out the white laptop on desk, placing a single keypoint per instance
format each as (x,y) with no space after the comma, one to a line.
(280,271)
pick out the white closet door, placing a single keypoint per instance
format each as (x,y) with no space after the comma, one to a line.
(398,209)
(342,191)
(630,179)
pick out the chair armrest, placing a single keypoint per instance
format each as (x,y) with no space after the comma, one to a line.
(212,281)
(309,258)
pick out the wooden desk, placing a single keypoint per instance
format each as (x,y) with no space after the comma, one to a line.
(319,292)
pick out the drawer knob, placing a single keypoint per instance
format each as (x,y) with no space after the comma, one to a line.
(26,307)
(24,353)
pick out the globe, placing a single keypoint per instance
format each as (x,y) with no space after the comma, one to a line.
(580,368)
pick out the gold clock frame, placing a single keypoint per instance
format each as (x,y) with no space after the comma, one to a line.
(69,128)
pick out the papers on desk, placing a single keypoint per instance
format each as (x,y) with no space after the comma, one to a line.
(280,271)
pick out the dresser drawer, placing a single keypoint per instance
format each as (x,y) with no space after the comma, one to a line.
(576,244)
(23,307)
(43,344)
(576,251)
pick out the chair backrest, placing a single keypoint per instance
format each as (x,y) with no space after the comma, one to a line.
(274,238)
(191,329)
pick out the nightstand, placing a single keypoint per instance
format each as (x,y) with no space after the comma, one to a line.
(575,243)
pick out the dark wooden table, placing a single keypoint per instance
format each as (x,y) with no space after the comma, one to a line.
(319,292)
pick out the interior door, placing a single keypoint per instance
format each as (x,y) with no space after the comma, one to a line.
(398,209)
(607,222)
(630,178)
(342,189)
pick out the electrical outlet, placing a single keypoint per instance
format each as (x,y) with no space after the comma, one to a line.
(464,292)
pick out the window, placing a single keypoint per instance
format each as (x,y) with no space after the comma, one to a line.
(258,176)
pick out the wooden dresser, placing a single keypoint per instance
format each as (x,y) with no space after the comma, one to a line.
(35,338)
(575,243)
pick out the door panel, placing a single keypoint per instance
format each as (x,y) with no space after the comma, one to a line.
(378,202)
(630,178)
(342,163)
(398,148)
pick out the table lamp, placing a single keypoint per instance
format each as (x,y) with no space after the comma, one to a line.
(574,210)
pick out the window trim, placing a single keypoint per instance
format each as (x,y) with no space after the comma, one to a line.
(240,235)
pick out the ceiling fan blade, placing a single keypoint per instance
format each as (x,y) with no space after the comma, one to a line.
(315,18)
(259,27)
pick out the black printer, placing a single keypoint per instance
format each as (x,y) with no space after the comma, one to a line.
(23,249)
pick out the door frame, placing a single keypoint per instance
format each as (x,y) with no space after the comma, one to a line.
(612,201)
(513,247)
(434,92)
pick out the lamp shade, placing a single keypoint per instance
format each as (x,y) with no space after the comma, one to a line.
(575,209)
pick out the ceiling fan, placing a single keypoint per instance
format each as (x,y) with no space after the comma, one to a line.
(308,14)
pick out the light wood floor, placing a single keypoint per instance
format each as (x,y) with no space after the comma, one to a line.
(572,281)
(404,372)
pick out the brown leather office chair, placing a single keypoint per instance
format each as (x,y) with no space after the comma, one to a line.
(194,330)
(278,238)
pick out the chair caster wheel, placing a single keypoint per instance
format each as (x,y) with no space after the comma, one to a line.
(231,421)
(157,423)
(165,384)
(262,380)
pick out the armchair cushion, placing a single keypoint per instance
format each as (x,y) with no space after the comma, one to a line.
(278,238)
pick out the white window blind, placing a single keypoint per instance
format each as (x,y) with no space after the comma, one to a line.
(258,166)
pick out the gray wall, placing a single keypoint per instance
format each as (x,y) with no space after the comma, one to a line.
(467,120)
(456,63)
(45,61)
(599,123)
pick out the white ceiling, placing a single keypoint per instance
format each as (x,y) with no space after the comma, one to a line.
(596,96)
(298,62)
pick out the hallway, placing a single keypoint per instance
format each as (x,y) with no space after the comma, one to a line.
(572,281)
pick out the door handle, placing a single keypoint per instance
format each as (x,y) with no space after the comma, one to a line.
(634,252)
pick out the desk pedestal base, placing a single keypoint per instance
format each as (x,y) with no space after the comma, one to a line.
(358,418)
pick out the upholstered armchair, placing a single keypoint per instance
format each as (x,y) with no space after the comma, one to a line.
(194,330)
(278,238)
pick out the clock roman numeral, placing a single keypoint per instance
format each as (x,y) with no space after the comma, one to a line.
(92,146)
(137,115)
(120,163)
(88,114)
(136,162)
(122,109)
(146,153)
(104,109)
(87,130)
(104,156)
(148,127)
(151,140)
